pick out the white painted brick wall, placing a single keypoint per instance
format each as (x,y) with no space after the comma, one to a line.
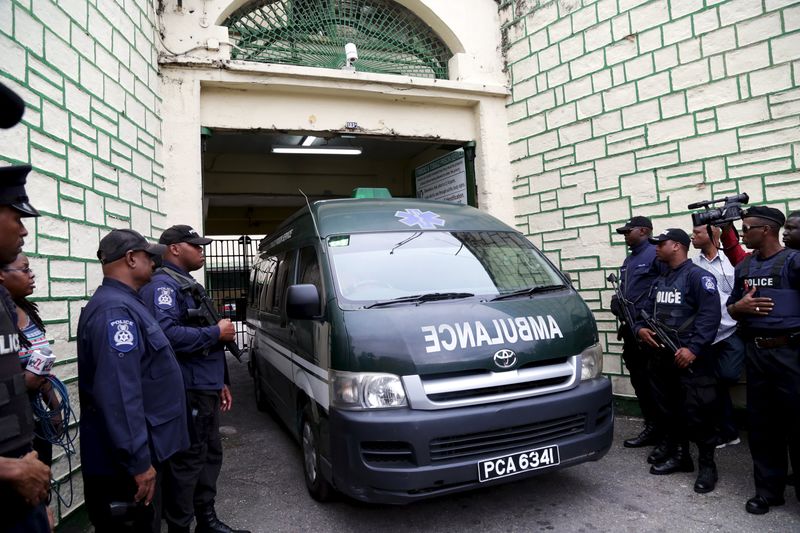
(86,71)
(688,100)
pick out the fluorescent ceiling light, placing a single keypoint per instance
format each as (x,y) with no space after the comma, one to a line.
(308,141)
(317,150)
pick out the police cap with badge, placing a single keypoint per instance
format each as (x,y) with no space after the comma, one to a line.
(12,179)
(183,233)
(119,242)
(767,213)
(671,234)
(635,222)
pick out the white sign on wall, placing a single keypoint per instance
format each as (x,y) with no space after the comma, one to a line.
(444,178)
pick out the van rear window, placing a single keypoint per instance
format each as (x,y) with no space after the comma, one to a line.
(380,266)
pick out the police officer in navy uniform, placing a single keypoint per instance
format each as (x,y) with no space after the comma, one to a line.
(191,483)
(685,301)
(133,410)
(637,274)
(24,480)
(766,301)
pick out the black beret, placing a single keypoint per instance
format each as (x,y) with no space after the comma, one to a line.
(768,213)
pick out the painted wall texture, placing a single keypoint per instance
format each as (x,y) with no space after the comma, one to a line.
(636,107)
(88,73)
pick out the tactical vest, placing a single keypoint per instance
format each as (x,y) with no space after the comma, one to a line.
(671,307)
(16,418)
(771,280)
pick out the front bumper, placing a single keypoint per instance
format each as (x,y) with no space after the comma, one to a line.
(402,455)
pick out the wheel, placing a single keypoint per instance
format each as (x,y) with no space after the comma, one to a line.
(262,404)
(318,486)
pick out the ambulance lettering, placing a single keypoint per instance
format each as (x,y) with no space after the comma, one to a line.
(464,335)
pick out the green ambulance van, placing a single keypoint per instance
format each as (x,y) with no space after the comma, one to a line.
(419,348)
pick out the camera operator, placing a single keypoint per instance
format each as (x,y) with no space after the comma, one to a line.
(637,274)
(766,301)
(727,349)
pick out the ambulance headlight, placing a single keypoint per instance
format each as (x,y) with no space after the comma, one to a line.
(591,362)
(362,390)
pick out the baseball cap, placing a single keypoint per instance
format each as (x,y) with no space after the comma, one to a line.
(182,233)
(635,222)
(12,189)
(671,234)
(118,242)
(768,213)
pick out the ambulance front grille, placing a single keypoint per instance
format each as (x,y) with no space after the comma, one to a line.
(482,387)
(505,440)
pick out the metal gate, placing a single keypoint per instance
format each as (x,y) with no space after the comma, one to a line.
(227,279)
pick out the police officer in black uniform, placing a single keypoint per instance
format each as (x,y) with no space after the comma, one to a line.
(24,480)
(766,301)
(684,301)
(191,479)
(637,274)
(133,410)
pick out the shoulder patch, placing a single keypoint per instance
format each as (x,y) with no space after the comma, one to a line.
(709,283)
(164,297)
(122,334)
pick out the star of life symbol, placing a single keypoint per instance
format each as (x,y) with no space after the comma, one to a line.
(123,336)
(415,217)
(164,296)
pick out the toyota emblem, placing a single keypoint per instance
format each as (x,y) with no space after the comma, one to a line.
(505,358)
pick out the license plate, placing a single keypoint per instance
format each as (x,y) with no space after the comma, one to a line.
(517,463)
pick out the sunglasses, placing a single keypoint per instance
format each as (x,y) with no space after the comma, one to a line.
(745,228)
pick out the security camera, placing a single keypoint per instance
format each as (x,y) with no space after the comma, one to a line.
(351,53)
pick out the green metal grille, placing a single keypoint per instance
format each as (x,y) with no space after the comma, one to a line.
(389,37)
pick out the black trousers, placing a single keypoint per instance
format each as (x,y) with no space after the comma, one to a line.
(773,409)
(191,475)
(686,399)
(635,359)
(103,491)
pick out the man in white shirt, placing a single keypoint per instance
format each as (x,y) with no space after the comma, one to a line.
(728,348)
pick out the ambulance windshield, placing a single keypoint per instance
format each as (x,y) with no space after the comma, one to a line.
(382,266)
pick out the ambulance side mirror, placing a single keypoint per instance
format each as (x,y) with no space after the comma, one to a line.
(302,302)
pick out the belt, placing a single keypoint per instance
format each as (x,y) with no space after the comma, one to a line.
(776,342)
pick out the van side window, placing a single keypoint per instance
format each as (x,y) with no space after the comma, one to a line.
(282,279)
(265,279)
(308,268)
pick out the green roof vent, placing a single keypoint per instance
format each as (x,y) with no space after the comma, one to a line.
(367,192)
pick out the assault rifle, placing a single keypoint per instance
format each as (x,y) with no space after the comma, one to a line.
(205,313)
(626,317)
(656,327)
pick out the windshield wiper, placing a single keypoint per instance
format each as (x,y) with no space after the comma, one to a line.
(422,298)
(528,291)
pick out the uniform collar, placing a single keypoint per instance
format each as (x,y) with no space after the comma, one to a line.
(116,284)
(173,266)
(639,248)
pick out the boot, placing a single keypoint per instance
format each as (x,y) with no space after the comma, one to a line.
(207,522)
(660,453)
(707,471)
(647,437)
(679,461)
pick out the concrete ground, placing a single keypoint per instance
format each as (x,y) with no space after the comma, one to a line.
(261,488)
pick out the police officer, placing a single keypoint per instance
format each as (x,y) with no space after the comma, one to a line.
(637,274)
(191,483)
(727,348)
(685,302)
(766,301)
(24,480)
(791,231)
(133,410)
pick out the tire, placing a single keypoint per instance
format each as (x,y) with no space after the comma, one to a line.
(318,486)
(262,404)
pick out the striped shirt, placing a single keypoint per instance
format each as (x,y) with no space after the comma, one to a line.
(37,339)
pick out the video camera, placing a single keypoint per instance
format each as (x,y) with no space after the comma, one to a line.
(719,216)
